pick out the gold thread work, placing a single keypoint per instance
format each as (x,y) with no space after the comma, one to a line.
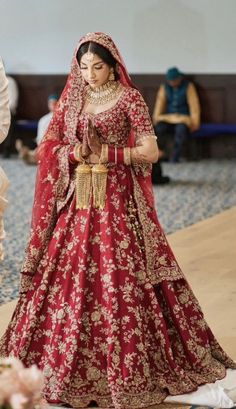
(99,182)
(83,186)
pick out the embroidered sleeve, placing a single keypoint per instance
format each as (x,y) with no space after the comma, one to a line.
(139,117)
(140,138)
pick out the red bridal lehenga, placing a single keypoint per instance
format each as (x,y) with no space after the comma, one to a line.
(105,310)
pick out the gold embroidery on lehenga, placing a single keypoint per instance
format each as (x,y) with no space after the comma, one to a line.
(101,320)
(157,268)
(134,222)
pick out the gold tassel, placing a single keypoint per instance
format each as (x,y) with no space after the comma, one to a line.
(99,181)
(83,186)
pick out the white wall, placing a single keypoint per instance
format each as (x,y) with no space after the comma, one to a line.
(39,36)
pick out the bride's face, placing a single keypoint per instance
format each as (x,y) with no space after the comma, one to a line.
(94,70)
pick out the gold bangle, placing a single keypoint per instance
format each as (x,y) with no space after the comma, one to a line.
(127,156)
(78,154)
(104,154)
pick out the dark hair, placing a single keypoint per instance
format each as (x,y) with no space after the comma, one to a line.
(102,52)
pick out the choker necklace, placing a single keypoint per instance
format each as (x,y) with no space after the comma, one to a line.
(103,94)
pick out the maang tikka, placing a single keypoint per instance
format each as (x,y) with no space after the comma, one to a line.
(89,54)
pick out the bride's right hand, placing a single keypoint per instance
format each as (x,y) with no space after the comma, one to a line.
(85,150)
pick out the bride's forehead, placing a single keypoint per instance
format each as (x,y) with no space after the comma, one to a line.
(90,58)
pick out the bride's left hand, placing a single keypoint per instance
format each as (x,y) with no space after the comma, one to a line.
(93,139)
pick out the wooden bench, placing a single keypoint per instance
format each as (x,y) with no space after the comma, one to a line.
(214,140)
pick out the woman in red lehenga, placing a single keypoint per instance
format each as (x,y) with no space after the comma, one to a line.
(105,310)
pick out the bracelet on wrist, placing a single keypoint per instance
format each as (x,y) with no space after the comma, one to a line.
(119,155)
(104,154)
(72,157)
(78,153)
(127,156)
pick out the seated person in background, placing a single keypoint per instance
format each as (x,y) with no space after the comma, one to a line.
(44,121)
(176,111)
(28,155)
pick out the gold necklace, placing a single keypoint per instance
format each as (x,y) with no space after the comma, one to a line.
(103,94)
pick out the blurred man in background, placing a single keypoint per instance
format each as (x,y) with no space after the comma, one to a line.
(176,111)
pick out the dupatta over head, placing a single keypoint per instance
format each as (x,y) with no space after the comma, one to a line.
(54,182)
(53,189)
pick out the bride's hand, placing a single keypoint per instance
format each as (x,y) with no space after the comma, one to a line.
(85,150)
(93,139)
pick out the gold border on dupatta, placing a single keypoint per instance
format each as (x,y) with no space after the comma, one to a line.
(156,275)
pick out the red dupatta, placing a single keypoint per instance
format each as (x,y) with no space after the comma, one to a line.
(54,185)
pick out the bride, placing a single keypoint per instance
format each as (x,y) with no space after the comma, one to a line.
(105,310)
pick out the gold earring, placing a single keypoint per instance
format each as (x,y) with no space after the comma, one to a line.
(112,75)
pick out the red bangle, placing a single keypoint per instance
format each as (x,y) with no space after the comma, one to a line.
(120,155)
(111,154)
(115,155)
(72,157)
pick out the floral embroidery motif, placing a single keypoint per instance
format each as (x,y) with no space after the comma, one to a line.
(105,310)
